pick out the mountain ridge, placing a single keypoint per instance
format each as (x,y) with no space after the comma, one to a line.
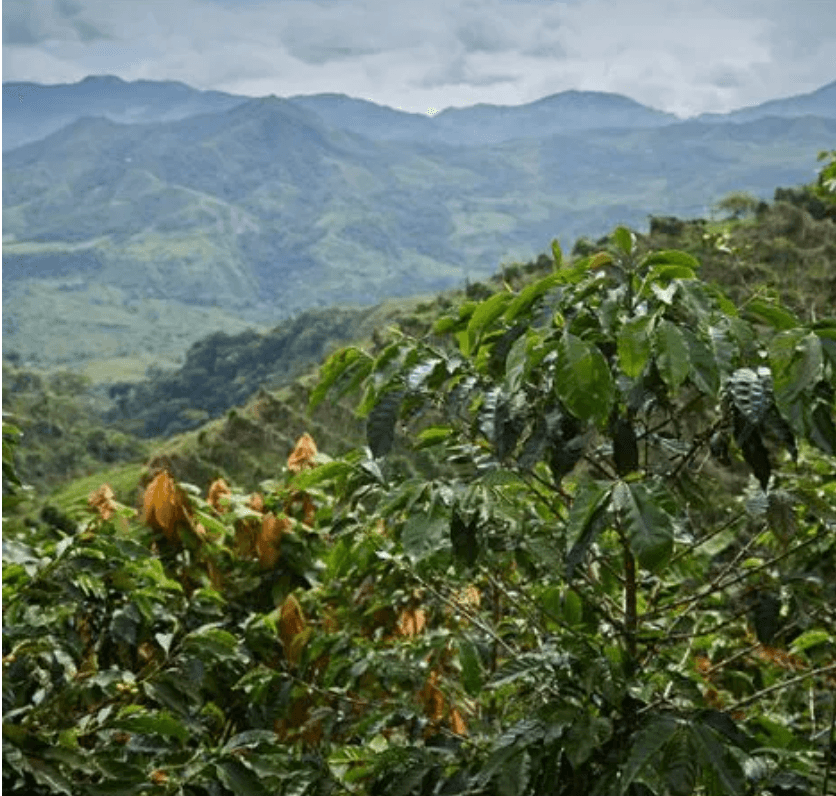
(150,101)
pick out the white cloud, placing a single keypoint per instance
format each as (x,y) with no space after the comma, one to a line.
(685,56)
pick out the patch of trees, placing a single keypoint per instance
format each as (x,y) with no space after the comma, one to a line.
(223,370)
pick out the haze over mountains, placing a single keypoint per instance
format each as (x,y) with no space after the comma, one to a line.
(232,210)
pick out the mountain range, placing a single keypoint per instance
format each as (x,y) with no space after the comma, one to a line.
(138,217)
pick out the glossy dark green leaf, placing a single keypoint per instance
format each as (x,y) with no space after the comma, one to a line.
(634,346)
(425,532)
(528,295)
(471,664)
(557,254)
(485,314)
(705,370)
(624,239)
(645,746)
(672,257)
(648,526)
(773,314)
(335,368)
(156,723)
(672,354)
(380,426)
(464,539)
(716,762)
(625,446)
(239,779)
(587,518)
(583,380)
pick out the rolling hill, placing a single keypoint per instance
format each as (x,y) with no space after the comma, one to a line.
(130,241)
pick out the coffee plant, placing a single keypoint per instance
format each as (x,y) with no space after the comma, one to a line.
(588,549)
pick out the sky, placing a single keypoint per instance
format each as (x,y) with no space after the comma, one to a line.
(681,56)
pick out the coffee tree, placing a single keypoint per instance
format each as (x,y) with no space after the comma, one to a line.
(635,478)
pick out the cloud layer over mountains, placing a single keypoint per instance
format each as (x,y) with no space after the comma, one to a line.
(421,55)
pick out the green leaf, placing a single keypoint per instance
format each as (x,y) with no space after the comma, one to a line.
(512,778)
(811,638)
(772,314)
(531,293)
(446,324)
(583,380)
(380,427)
(239,779)
(158,723)
(649,527)
(645,748)
(517,361)
(327,471)
(471,664)
(464,539)
(705,370)
(425,533)
(249,739)
(212,643)
(433,435)
(796,358)
(723,769)
(334,368)
(634,346)
(672,257)
(585,521)
(624,239)
(587,734)
(672,355)
(49,776)
(679,764)
(484,315)
(557,254)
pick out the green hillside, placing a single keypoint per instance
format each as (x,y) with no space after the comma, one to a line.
(120,240)
(74,425)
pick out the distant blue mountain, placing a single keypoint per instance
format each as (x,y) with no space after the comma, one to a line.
(32,111)
(821,102)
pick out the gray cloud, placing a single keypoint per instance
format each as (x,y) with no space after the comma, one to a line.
(698,55)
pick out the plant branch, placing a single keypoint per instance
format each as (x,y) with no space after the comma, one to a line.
(831,667)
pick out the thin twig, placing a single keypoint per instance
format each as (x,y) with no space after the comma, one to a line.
(779,686)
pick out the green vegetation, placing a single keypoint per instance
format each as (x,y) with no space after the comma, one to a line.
(589,548)
(570,531)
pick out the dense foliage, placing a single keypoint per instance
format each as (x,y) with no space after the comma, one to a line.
(589,548)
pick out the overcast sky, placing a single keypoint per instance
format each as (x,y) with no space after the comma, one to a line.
(683,56)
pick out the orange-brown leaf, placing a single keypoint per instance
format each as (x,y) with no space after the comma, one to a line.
(291,624)
(164,505)
(246,532)
(218,490)
(159,777)
(411,622)
(303,454)
(457,722)
(308,510)
(256,501)
(102,501)
(268,542)
(431,697)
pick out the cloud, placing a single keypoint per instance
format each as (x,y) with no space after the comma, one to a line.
(694,56)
